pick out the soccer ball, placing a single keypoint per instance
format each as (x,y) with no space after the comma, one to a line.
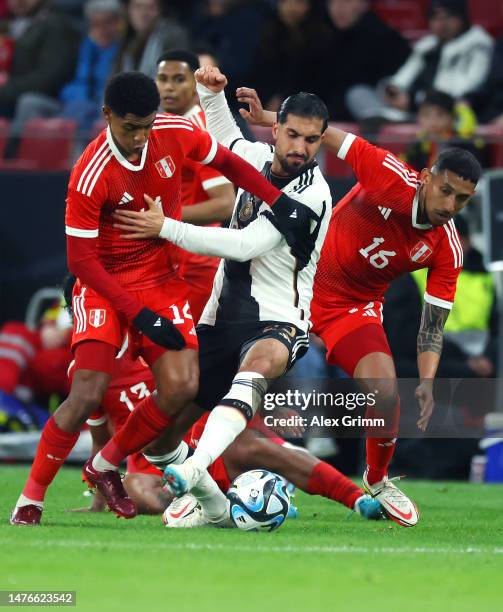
(259,501)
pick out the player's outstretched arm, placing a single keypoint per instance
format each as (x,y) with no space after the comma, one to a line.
(429,348)
(240,245)
(217,208)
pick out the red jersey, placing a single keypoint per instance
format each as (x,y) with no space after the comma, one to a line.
(374,236)
(103,181)
(196,180)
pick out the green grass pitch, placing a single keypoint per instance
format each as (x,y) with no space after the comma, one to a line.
(324,560)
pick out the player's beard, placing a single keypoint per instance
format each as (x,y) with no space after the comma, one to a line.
(290,168)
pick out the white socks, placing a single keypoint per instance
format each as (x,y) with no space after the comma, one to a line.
(175,457)
(225,423)
(212,500)
(26,501)
(102,465)
(223,426)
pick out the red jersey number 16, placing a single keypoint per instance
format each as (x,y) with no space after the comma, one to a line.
(380,259)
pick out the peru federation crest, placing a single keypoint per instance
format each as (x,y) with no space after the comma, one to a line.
(97,317)
(166,167)
(420,252)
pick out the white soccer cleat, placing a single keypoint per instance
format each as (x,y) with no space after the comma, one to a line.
(186,513)
(396,504)
(183,512)
(181,478)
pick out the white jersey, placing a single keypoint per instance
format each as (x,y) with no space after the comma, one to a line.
(259,278)
(268,287)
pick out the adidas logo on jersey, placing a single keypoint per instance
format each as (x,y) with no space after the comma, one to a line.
(158,323)
(385,212)
(126,198)
(294,214)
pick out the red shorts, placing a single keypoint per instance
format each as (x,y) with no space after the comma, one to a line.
(349,331)
(96,319)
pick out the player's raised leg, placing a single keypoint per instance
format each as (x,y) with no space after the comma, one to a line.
(93,364)
(266,359)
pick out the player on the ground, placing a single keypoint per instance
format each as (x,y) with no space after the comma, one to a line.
(132,381)
(393,221)
(207,196)
(134,285)
(256,322)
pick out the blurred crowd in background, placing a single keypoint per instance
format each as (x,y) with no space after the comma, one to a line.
(372,62)
(415,76)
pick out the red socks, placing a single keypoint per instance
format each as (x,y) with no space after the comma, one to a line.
(380,450)
(325,480)
(379,454)
(54,447)
(144,424)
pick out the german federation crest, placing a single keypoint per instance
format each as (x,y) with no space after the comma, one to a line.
(166,167)
(97,317)
(420,252)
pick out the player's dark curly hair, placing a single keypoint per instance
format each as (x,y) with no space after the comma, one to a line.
(306,105)
(132,92)
(179,55)
(461,162)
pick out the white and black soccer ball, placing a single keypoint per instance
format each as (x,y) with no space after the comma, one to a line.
(259,501)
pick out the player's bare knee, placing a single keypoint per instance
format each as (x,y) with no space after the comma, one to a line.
(87,392)
(176,392)
(386,394)
(268,366)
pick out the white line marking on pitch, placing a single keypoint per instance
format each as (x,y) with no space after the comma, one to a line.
(331,550)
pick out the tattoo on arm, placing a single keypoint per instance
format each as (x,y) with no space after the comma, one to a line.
(431,330)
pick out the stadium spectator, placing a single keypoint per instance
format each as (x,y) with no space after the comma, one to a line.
(148,35)
(206,56)
(231,28)
(437,120)
(363,51)
(454,57)
(45,53)
(81,99)
(488,100)
(6,51)
(288,57)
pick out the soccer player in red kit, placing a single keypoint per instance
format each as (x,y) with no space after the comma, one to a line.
(207,196)
(395,220)
(132,381)
(134,285)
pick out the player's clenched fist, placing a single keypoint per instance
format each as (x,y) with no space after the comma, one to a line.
(159,329)
(212,78)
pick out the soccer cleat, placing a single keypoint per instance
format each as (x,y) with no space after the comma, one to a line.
(109,484)
(186,513)
(370,509)
(396,504)
(182,512)
(181,478)
(28,516)
(293,512)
